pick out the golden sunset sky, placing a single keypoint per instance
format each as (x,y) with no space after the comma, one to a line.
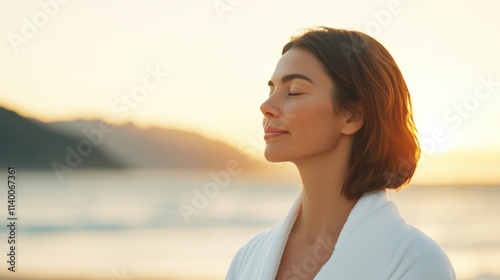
(203,66)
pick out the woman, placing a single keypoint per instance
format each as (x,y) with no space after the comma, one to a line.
(339,109)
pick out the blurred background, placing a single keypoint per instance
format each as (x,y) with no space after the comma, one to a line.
(135,129)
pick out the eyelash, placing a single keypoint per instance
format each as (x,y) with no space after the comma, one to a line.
(293,94)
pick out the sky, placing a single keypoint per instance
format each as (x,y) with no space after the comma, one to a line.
(203,66)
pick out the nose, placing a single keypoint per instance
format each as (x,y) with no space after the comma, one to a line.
(268,108)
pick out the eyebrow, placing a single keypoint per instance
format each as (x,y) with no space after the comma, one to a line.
(288,78)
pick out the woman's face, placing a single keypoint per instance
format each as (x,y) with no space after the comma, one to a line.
(299,119)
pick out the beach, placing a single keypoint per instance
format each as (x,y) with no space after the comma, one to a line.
(128,225)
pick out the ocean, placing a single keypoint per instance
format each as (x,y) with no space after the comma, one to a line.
(189,224)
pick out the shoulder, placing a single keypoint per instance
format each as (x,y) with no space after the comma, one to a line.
(262,253)
(411,254)
(378,238)
(252,249)
(425,258)
(254,245)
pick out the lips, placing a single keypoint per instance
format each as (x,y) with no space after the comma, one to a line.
(273,132)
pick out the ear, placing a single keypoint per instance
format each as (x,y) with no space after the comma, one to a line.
(353,120)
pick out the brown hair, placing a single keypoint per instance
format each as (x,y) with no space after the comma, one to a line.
(367,79)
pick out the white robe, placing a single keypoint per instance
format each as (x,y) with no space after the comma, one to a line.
(375,244)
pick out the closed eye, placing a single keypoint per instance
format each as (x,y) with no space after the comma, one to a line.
(294,94)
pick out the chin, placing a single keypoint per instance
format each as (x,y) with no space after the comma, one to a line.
(275,156)
(274,160)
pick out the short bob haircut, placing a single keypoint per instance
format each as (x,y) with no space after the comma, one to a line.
(368,82)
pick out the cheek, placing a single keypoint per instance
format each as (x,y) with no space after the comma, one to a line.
(310,116)
(314,124)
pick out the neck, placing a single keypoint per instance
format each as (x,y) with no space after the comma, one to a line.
(324,210)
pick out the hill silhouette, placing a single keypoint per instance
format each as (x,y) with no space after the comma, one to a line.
(32,144)
(27,144)
(157,147)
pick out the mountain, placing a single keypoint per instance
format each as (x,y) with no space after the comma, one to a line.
(28,144)
(154,147)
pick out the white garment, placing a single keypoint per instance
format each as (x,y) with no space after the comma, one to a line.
(374,244)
